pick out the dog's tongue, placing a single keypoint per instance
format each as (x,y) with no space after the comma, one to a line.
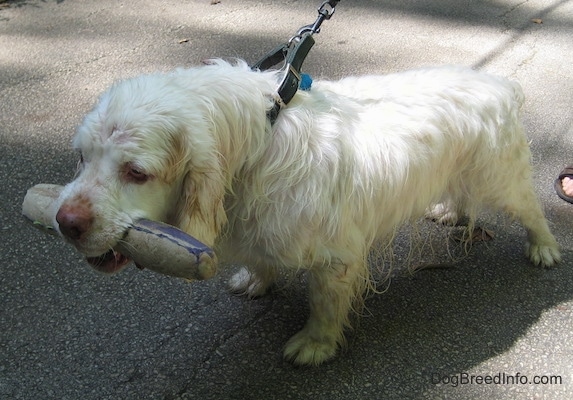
(109,262)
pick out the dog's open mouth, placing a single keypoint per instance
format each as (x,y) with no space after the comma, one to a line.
(110,262)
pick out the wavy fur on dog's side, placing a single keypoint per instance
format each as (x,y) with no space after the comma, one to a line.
(345,165)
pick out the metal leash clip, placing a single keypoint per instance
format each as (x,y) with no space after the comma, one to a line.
(325,12)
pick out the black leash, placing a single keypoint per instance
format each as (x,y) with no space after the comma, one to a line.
(293,53)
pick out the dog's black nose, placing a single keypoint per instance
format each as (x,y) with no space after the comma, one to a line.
(73,221)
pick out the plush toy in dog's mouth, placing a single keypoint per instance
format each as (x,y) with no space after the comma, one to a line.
(149,244)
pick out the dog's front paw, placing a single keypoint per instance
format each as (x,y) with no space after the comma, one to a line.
(303,349)
(544,255)
(247,283)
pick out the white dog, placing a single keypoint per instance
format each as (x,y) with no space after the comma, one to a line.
(344,165)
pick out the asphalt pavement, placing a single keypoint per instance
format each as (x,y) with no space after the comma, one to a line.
(489,326)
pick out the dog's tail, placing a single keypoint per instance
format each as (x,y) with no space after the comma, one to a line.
(518,95)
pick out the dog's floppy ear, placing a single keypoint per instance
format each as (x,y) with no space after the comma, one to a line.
(201,207)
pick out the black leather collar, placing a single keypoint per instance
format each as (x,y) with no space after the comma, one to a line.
(292,54)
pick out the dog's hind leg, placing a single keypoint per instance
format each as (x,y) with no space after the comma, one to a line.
(253,281)
(518,198)
(542,248)
(333,291)
(445,213)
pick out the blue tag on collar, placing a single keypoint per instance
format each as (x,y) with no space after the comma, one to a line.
(305,82)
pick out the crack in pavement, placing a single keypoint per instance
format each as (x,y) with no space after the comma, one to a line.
(518,31)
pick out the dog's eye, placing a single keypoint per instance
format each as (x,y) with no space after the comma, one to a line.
(135,174)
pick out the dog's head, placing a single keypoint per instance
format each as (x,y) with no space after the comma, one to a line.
(145,152)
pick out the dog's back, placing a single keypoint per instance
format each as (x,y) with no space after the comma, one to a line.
(391,145)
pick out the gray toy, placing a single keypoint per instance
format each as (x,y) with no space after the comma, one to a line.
(154,245)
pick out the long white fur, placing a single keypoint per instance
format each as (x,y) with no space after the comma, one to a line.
(345,164)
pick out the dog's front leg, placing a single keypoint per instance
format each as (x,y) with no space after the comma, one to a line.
(333,291)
